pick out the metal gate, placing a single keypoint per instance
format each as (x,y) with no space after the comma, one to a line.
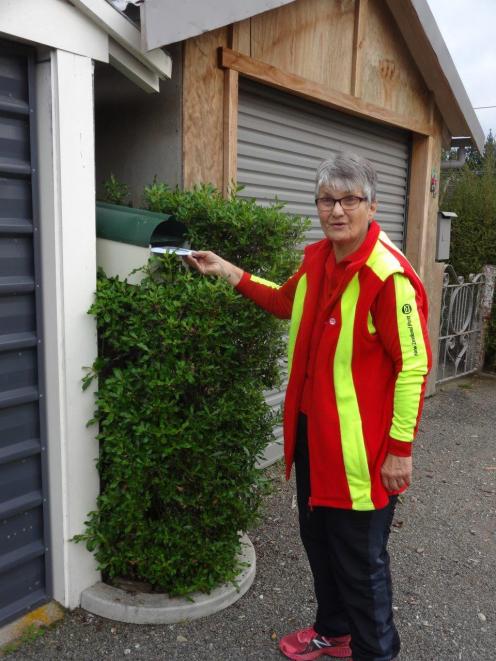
(23,507)
(461,328)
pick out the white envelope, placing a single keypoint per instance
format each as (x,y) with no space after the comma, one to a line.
(176,250)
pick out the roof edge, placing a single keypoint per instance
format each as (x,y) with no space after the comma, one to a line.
(428,48)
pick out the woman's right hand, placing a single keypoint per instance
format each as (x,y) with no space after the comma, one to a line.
(208,263)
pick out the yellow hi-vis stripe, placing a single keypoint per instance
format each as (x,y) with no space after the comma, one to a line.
(408,387)
(350,422)
(385,239)
(267,283)
(383,262)
(296,314)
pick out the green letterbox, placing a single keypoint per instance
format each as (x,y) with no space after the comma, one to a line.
(125,236)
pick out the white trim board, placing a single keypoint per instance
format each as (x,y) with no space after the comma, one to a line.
(68,269)
(53,23)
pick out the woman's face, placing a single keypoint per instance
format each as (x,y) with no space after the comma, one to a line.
(346,229)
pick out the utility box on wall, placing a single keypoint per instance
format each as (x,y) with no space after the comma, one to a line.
(125,236)
(444,219)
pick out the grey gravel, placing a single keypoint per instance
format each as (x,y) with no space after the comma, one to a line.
(443,548)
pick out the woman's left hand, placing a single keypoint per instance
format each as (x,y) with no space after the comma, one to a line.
(396,472)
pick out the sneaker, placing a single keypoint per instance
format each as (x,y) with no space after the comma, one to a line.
(307,644)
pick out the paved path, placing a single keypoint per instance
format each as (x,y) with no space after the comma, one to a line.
(443,549)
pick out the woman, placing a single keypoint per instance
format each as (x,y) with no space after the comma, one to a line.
(358,361)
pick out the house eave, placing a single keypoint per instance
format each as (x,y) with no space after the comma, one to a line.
(34,22)
(428,48)
(125,34)
(166,21)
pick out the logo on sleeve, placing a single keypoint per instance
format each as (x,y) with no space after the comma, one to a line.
(407,310)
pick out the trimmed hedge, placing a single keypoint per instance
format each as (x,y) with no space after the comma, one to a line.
(471,193)
(183,363)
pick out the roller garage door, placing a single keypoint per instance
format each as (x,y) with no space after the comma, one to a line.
(23,525)
(281,141)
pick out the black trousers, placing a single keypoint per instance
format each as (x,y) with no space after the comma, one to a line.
(350,566)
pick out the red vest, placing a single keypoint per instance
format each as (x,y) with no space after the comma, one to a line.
(368,373)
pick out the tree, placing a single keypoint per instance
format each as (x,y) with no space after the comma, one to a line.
(471,194)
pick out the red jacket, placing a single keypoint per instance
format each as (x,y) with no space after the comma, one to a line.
(369,366)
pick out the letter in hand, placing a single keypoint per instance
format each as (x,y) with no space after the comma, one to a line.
(208,263)
(205,261)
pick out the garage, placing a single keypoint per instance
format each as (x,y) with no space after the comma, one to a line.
(24,572)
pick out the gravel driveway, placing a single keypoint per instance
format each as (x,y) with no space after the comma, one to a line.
(443,548)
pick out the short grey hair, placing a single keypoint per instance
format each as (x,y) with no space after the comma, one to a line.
(348,172)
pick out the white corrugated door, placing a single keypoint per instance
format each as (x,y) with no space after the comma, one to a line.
(281,141)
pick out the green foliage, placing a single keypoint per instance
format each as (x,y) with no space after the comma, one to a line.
(115,191)
(261,239)
(472,195)
(182,367)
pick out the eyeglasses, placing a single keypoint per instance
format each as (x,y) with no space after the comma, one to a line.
(348,202)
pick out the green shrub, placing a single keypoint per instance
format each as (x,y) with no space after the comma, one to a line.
(260,239)
(471,193)
(182,366)
(115,191)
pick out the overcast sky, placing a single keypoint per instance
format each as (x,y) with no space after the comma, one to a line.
(469,30)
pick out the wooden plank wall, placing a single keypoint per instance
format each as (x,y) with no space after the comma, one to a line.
(390,77)
(267,74)
(359,33)
(310,38)
(347,46)
(203,110)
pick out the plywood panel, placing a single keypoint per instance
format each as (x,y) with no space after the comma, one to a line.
(241,37)
(231,86)
(358,44)
(203,110)
(390,76)
(290,82)
(310,38)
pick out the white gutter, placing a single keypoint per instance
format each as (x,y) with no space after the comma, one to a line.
(130,67)
(125,34)
(455,163)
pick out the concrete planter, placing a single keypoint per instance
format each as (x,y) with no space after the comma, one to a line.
(142,608)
